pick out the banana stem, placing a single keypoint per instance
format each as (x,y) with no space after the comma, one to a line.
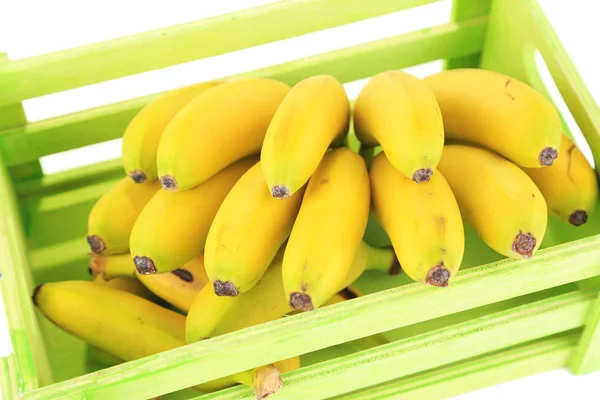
(383,259)
(367,153)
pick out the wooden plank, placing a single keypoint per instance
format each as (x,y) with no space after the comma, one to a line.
(364,316)
(586,357)
(105,123)
(85,65)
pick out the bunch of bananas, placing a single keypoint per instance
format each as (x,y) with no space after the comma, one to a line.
(242,205)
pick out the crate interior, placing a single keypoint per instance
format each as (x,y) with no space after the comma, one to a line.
(54,207)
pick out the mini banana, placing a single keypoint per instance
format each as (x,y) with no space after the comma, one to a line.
(569,186)
(498,112)
(126,284)
(141,138)
(423,222)
(398,111)
(497,199)
(222,125)
(314,115)
(247,232)
(112,217)
(172,228)
(328,230)
(110,267)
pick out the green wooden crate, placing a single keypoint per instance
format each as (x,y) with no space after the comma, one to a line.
(500,319)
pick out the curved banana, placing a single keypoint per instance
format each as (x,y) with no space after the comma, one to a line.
(124,325)
(224,124)
(498,112)
(172,228)
(247,232)
(126,284)
(423,222)
(313,115)
(328,230)
(497,199)
(569,186)
(141,138)
(110,267)
(112,217)
(398,111)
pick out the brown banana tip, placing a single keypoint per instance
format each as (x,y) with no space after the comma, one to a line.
(137,176)
(168,183)
(438,276)
(578,217)
(144,265)
(96,244)
(267,382)
(301,301)
(280,192)
(348,294)
(422,175)
(547,156)
(524,244)
(225,289)
(35,293)
(395,268)
(183,274)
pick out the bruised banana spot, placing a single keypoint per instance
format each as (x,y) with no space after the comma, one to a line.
(422,175)
(168,183)
(395,268)
(301,301)
(280,192)
(569,156)
(137,176)
(183,274)
(578,217)
(524,244)
(97,245)
(547,156)
(225,289)
(506,89)
(144,265)
(347,294)
(438,276)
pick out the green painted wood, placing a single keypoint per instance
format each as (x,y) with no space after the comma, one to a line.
(8,378)
(532,358)
(349,64)
(586,357)
(463,10)
(68,69)
(430,350)
(364,316)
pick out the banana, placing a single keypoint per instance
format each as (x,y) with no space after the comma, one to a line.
(423,222)
(142,135)
(497,199)
(112,217)
(212,315)
(314,115)
(126,284)
(398,111)
(246,233)
(328,230)
(569,186)
(224,124)
(110,267)
(128,327)
(498,112)
(172,228)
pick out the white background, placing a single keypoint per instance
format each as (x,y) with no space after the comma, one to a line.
(30,27)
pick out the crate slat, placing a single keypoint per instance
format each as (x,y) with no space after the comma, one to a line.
(431,350)
(276,340)
(105,123)
(85,65)
(586,357)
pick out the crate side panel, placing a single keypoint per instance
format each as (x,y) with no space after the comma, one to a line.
(586,357)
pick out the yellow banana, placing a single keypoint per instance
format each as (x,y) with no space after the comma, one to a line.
(398,111)
(313,115)
(213,315)
(498,112)
(224,124)
(112,217)
(569,186)
(246,233)
(126,284)
(141,138)
(115,321)
(172,228)
(497,199)
(110,267)
(423,222)
(328,230)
